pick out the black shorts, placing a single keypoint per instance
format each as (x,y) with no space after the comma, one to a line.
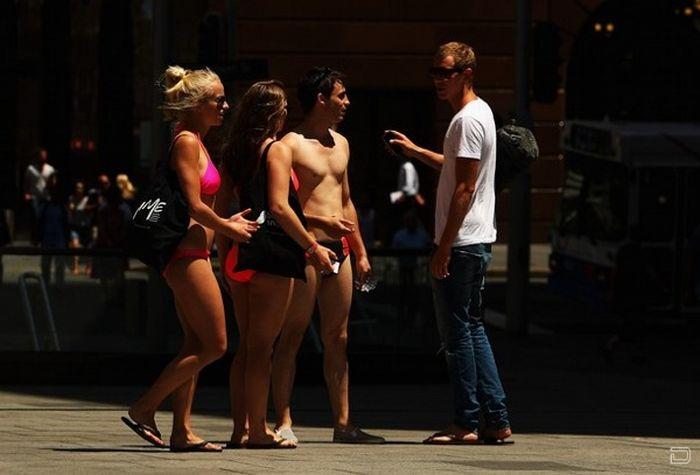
(339,246)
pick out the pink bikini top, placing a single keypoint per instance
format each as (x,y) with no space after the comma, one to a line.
(210,182)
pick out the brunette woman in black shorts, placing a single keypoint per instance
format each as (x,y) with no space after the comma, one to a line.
(257,168)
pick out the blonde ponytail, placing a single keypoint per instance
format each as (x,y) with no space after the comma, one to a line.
(184,89)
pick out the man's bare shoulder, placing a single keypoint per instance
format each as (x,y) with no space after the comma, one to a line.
(339,138)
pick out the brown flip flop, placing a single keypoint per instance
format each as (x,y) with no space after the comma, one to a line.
(448,438)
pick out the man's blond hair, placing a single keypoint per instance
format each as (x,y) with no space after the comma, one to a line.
(462,53)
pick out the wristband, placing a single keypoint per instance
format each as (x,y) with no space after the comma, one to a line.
(310,250)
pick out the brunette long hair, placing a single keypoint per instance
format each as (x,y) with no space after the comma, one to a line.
(260,114)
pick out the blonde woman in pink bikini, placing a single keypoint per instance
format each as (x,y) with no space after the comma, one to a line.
(195,101)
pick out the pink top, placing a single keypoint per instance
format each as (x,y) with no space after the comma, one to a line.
(210,181)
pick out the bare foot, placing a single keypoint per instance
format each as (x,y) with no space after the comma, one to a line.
(145,418)
(144,425)
(238,439)
(201,446)
(189,439)
(270,439)
(274,443)
(496,434)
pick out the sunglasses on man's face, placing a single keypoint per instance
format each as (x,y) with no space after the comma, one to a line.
(438,72)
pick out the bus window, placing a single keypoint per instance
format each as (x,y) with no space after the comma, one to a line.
(657,205)
(594,199)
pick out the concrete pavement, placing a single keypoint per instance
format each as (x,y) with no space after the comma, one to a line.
(77,430)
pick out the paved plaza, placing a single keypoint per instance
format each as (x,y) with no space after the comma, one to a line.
(77,430)
(574,408)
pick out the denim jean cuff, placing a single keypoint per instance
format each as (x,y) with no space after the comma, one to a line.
(497,420)
(467,427)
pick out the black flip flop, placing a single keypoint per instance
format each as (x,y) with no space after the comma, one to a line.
(236,445)
(143,431)
(497,441)
(275,445)
(198,447)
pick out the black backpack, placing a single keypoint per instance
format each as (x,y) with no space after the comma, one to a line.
(160,220)
(516,149)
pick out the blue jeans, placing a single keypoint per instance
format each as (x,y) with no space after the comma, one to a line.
(474,377)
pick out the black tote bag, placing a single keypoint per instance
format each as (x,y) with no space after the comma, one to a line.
(270,250)
(160,220)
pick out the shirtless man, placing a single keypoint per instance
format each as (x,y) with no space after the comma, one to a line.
(320,161)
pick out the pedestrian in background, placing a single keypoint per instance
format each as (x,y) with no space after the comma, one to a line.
(36,192)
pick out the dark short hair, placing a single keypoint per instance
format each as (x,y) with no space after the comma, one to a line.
(317,79)
(36,152)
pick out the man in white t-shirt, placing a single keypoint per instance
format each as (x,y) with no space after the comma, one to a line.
(464,230)
(37,176)
(408,185)
(36,192)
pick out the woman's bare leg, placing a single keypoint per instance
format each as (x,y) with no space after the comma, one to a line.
(284,362)
(239,293)
(200,300)
(181,400)
(183,396)
(268,301)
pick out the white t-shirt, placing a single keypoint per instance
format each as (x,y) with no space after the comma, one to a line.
(37,180)
(409,182)
(471,135)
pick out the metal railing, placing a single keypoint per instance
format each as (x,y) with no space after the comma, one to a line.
(134,312)
(26,304)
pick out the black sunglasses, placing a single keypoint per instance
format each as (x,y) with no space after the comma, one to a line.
(438,72)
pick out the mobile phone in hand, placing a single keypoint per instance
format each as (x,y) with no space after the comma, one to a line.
(387,136)
(335,266)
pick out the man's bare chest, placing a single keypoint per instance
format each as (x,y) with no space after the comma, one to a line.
(317,164)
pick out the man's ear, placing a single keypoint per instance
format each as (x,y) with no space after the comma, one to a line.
(469,74)
(321,98)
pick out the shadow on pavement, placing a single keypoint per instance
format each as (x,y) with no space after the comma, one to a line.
(98,450)
(566,380)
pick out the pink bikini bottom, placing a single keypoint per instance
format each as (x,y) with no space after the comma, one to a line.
(186,253)
(242,276)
